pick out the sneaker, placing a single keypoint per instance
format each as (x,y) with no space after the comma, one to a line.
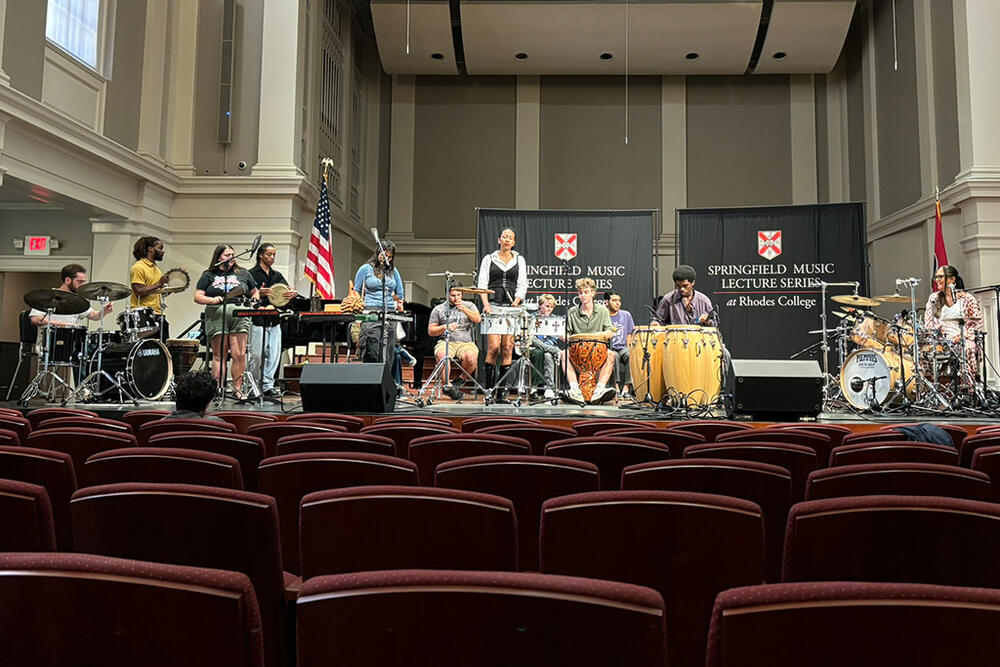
(549,394)
(626,395)
(452,392)
(576,395)
(602,394)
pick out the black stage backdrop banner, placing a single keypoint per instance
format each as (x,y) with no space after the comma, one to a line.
(761,267)
(615,248)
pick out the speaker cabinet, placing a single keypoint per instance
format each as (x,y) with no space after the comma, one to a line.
(347,388)
(776,388)
(9,355)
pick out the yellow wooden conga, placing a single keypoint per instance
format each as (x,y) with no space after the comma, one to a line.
(649,339)
(692,362)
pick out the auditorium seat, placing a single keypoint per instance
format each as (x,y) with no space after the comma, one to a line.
(184,524)
(19,425)
(403,433)
(8,437)
(136,418)
(843,623)
(26,517)
(244,419)
(987,460)
(81,609)
(403,417)
(538,436)
(975,442)
(386,527)
(687,546)
(477,619)
(675,440)
(987,428)
(247,449)
(767,485)
(430,450)
(291,477)
(76,421)
(50,469)
(957,433)
(350,422)
(914,539)
(872,436)
(527,481)
(39,415)
(271,432)
(588,427)
(796,459)
(903,479)
(610,454)
(162,464)
(346,441)
(472,424)
(835,432)
(820,443)
(79,443)
(708,428)
(156,427)
(893,451)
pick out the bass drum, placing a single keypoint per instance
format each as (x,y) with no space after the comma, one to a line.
(143,368)
(869,377)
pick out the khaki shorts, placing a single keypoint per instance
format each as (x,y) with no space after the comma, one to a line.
(456,349)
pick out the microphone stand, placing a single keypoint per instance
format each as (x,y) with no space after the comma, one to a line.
(384,264)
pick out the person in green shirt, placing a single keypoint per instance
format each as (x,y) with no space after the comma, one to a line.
(593,320)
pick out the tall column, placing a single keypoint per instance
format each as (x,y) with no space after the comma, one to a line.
(154,65)
(401,157)
(526,185)
(802,95)
(178,150)
(112,255)
(280,92)
(4,77)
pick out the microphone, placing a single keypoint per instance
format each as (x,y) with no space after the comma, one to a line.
(256,244)
(375,234)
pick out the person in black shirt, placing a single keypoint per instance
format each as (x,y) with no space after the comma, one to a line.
(265,275)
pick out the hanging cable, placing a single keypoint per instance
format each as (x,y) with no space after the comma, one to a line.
(895,56)
(626,71)
(408,27)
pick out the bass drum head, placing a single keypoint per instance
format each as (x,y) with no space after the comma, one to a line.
(144,368)
(866,379)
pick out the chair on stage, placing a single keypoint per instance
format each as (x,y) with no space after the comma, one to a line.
(82,609)
(162,464)
(687,546)
(392,527)
(428,451)
(335,442)
(247,449)
(349,422)
(79,442)
(136,418)
(26,517)
(39,415)
(403,433)
(528,481)
(185,524)
(610,454)
(914,539)
(893,451)
(708,428)
(975,442)
(769,486)
(19,425)
(290,478)
(98,423)
(848,623)
(8,437)
(473,424)
(27,337)
(820,443)
(244,419)
(51,470)
(901,479)
(270,433)
(153,428)
(403,417)
(538,436)
(798,460)
(477,619)
(589,427)
(835,432)
(675,440)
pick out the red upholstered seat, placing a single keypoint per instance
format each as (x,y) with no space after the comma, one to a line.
(8,437)
(538,436)
(709,428)
(957,433)
(975,442)
(834,431)
(162,464)
(244,419)
(402,433)
(271,432)
(26,517)
(585,427)
(905,479)
(97,423)
(137,418)
(335,442)
(987,460)
(473,424)
(349,422)
(796,459)
(872,436)
(79,443)
(156,427)
(406,418)
(19,425)
(610,454)
(39,415)
(428,451)
(675,440)
(247,449)
(819,442)
(893,451)
(50,469)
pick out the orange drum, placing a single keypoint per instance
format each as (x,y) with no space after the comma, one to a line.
(588,354)
(692,363)
(650,339)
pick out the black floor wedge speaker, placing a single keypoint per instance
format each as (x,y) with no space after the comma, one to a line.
(347,388)
(777,388)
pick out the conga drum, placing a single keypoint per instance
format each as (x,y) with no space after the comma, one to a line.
(183,353)
(692,363)
(647,376)
(587,354)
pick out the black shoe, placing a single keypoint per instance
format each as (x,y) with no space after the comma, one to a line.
(452,392)
(272,393)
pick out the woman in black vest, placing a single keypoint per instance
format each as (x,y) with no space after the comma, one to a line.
(504,272)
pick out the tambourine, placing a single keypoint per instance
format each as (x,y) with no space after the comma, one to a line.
(278,296)
(178,280)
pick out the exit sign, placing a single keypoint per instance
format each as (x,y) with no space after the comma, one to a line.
(37,245)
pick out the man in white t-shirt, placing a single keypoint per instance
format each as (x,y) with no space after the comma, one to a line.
(73,277)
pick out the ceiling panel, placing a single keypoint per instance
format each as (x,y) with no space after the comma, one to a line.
(429,25)
(809,34)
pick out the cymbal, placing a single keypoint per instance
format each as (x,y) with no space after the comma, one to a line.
(449,273)
(854,300)
(893,298)
(59,301)
(475,290)
(98,289)
(841,314)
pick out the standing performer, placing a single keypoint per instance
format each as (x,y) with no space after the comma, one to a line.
(368,280)
(266,276)
(215,283)
(593,319)
(623,325)
(684,305)
(949,305)
(504,272)
(458,317)
(147,279)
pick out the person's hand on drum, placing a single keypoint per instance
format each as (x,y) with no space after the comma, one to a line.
(265,291)
(399,303)
(703,318)
(487,310)
(453,326)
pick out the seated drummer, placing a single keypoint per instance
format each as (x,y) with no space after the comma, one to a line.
(592,319)
(684,305)
(458,317)
(73,277)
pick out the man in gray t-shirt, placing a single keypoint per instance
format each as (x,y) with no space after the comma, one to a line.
(457,317)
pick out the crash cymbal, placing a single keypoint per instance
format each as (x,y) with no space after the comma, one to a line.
(893,298)
(60,302)
(855,300)
(841,314)
(475,290)
(96,290)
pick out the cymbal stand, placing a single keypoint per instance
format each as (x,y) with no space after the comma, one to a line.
(647,398)
(926,394)
(441,375)
(92,383)
(828,379)
(522,365)
(35,387)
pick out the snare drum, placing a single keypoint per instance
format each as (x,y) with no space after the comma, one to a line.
(588,354)
(68,344)
(143,368)
(136,323)
(650,339)
(500,324)
(692,363)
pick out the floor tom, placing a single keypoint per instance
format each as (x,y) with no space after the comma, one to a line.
(67,344)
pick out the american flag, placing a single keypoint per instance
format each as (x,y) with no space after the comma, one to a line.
(319,259)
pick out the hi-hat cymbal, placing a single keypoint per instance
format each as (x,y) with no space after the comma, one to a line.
(57,300)
(854,300)
(893,298)
(841,314)
(96,290)
(475,290)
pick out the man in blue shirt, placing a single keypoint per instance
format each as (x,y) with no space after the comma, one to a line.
(622,323)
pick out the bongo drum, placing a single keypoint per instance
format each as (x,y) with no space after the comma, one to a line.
(587,354)
(692,362)
(650,339)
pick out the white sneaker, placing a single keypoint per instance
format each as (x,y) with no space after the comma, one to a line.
(576,395)
(602,394)
(549,394)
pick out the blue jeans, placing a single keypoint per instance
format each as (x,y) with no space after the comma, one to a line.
(272,355)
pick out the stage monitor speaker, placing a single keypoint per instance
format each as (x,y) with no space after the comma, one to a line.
(347,388)
(775,388)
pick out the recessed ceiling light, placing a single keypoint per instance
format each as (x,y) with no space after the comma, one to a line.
(606,56)
(780,55)
(521,56)
(691,56)
(437,56)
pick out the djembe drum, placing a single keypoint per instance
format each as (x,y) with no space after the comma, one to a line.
(588,354)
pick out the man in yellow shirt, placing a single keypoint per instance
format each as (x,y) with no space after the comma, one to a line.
(147,279)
